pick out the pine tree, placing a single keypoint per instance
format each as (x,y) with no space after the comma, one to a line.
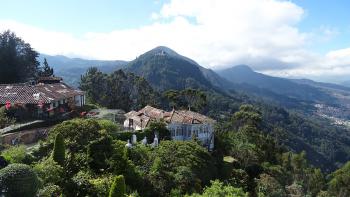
(46,70)
(58,153)
(118,187)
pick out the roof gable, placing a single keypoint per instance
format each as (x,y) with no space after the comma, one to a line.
(149,113)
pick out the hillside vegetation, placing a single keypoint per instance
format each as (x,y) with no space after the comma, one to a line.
(262,148)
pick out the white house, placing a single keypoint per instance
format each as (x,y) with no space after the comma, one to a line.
(182,124)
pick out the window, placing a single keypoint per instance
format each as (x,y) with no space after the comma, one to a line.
(131,122)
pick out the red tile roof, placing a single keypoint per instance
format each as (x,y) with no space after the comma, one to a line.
(189,117)
(32,94)
(149,113)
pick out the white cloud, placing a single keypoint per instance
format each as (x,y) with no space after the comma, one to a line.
(342,53)
(334,66)
(215,33)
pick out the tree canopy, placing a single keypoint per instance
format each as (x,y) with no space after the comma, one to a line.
(118,90)
(340,182)
(45,70)
(188,99)
(18,61)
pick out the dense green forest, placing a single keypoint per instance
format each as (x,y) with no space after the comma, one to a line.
(292,124)
(85,157)
(327,145)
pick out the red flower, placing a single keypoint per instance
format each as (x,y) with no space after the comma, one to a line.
(41,104)
(8,105)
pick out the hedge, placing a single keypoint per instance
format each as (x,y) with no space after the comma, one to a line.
(18,180)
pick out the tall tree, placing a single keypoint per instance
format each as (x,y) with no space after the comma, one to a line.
(188,98)
(93,83)
(118,90)
(194,98)
(17,59)
(58,153)
(46,70)
(247,116)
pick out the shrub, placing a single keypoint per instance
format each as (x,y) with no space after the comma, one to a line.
(15,154)
(79,185)
(58,154)
(18,180)
(217,188)
(239,178)
(49,191)
(109,126)
(4,119)
(119,160)
(78,133)
(88,107)
(176,159)
(124,136)
(49,171)
(102,185)
(157,127)
(118,187)
(3,162)
(269,186)
(99,152)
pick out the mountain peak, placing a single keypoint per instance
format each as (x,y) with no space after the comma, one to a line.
(243,68)
(165,69)
(163,50)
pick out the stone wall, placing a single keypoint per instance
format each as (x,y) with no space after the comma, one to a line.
(25,137)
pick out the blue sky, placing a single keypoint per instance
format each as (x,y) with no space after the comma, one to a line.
(80,16)
(296,38)
(334,15)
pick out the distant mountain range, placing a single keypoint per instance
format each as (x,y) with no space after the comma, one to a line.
(72,68)
(326,99)
(317,105)
(346,83)
(165,69)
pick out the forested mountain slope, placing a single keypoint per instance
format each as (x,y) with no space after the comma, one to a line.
(164,69)
(306,96)
(243,74)
(327,145)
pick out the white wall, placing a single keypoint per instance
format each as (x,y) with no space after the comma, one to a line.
(204,132)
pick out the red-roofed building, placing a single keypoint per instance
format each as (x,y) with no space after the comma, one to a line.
(183,124)
(43,99)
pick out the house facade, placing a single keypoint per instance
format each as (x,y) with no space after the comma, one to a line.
(182,124)
(41,100)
